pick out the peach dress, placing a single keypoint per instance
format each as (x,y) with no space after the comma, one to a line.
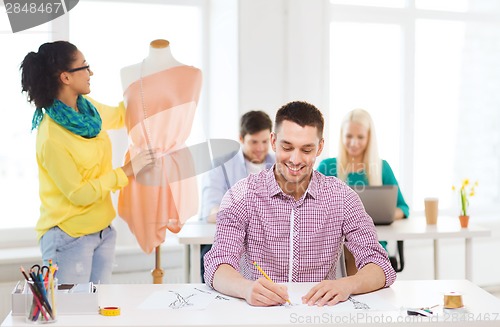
(160,112)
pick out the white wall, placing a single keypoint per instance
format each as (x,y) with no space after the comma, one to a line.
(272,54)
(222,71)
(281,54)
(262,54)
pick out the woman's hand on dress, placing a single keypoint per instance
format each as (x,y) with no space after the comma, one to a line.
(143,160)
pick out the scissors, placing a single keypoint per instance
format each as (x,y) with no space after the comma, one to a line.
(41,272)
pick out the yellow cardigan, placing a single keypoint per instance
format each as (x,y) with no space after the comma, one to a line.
(76,175)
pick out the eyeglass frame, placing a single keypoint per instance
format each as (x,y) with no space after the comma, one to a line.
(72,70)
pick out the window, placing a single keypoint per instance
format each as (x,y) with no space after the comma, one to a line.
(376,3)
(18,171)
(124,30)
(456,126)
(365,72)
(443,5)
(125,41)
(428,73)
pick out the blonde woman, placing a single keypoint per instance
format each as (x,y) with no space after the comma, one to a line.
(358,163)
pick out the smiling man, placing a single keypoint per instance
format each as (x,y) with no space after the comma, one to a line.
(253,156)
(293,221)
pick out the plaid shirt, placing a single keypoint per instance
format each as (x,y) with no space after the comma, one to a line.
(293,240)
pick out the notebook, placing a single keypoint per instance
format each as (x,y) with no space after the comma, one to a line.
(379,201)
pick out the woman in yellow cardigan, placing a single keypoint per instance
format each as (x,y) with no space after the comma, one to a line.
(73,153)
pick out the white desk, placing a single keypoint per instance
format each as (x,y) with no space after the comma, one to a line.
(195,234)
(192,236)
(482,308)
(447,227)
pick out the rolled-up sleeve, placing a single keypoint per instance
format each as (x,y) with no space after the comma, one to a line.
(361,238)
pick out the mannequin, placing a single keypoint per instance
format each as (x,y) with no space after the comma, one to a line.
(160,57)
(161,95)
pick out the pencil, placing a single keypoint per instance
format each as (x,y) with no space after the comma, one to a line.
(52,269)
(36,296)
(266,276)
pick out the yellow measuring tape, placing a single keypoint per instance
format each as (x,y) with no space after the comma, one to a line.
(453,300)
(110,311)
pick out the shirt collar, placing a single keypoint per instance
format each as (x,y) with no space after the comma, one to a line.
(240,156)
(272,184)
(312,189)
(274,188)
(269,160)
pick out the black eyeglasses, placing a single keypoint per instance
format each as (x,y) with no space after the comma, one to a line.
(72,70)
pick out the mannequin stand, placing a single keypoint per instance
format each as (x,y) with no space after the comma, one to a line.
(157,273)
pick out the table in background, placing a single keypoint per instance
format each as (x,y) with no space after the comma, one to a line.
(446,228)
(194,234)
(483,308)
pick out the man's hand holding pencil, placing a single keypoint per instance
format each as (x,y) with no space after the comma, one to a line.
(265,292)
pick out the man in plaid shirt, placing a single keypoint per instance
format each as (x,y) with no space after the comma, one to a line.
(293,221)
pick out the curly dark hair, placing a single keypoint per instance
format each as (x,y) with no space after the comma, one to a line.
(301,113)
(40,71)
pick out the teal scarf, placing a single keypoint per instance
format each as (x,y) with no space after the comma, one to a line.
(86,123)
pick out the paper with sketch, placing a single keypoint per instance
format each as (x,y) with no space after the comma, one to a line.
(370,301)
(182,298)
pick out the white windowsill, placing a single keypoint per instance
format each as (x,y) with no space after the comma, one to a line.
(128,258)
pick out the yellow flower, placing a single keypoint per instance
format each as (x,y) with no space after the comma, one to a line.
(466,190)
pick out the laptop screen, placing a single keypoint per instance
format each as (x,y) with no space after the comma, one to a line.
(379,202)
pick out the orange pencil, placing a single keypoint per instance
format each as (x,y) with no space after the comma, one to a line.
(266,276)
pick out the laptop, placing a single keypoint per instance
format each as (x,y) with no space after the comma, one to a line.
(379,202)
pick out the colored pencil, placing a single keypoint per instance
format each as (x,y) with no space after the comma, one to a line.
(36,296)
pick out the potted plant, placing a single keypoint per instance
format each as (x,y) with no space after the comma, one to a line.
(466,190)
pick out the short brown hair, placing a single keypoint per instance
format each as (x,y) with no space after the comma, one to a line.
(301,113)
(253,122)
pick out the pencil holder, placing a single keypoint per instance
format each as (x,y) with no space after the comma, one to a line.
(41,303)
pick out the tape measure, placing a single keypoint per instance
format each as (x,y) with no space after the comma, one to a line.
(453,300)
(109,311)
